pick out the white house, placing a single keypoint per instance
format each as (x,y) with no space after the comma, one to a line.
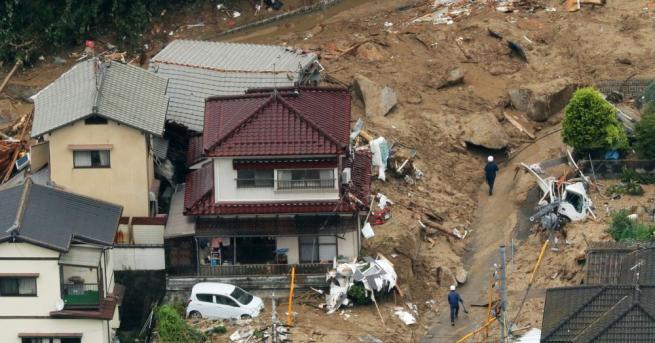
(56,267)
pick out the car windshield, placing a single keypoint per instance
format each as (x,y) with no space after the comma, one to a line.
(241,296)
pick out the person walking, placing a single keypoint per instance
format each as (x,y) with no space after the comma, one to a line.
(490,173)
(453,300)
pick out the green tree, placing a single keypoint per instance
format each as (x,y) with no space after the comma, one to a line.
(645,133)
(590,123)
(648,96)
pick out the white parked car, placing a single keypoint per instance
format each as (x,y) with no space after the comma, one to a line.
(215,300)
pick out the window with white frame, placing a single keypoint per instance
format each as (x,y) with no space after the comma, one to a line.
(305,178)
(317,248)
(18,286)
(91,159)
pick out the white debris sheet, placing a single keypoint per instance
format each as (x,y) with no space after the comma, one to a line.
(376,275)
(405,316)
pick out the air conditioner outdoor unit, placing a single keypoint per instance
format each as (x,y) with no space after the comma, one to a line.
(345,176)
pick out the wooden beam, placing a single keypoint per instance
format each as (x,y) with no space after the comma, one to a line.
(8,77)
(518,125)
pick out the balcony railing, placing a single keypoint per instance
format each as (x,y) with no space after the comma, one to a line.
(81,294)
(262,269)
(305,184)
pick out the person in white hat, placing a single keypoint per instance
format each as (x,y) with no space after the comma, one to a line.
(453,300)
(490,171)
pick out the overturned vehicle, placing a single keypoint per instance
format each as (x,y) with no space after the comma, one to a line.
(566,198)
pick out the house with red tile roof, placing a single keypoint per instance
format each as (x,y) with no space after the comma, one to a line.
(273,182)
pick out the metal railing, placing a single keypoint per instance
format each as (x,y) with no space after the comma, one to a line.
(81,294)
(262,269)
(305,184)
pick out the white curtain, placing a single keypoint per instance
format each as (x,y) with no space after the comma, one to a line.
(26,286)
(82,158)
(104,157)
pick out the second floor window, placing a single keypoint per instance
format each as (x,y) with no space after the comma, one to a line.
(305,178)
(254,178)
(91,159)
(17,286)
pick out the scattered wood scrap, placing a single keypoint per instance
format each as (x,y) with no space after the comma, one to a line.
(518,125)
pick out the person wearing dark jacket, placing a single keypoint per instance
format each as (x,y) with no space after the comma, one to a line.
(453,300)
(490,173)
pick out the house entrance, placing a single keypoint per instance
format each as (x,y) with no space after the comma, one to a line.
(255,250)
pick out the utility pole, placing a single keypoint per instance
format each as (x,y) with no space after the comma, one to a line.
(273,320)
(504,325)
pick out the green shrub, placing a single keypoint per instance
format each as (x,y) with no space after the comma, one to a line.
(172,328)
(630,175)
(645,133)
(629,188)
(623,228)
(359,295)
(590,123)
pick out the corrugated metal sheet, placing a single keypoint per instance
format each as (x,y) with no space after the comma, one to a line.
(178,224)
(124,93)
(160,147)
(197,70)
(233,56)
(81,257)
(148,234)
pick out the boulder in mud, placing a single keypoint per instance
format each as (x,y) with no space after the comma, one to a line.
(483,129)
(454,77)
(378,99)
(541,100)
(370,52)
(461,275)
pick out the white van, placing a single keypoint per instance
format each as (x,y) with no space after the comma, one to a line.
(215,300)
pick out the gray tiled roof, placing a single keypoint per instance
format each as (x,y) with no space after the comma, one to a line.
(52,218)
(613,264)
(599,314)
(199,69)
(125,93)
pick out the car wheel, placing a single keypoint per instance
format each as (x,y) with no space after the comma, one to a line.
(246,316)
(195,315)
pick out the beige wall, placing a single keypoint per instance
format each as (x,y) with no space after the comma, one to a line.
(48,293)
(125,183)
(346,247)
(290,243)
(225,179)
(93,331)
(47,283)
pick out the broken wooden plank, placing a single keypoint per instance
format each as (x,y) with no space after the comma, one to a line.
(367,136)
(17,151)
(430,229)
(11,73)
(518,125)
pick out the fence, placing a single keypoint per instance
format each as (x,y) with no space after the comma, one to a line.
(613,168)
(631,88)
(262,269)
